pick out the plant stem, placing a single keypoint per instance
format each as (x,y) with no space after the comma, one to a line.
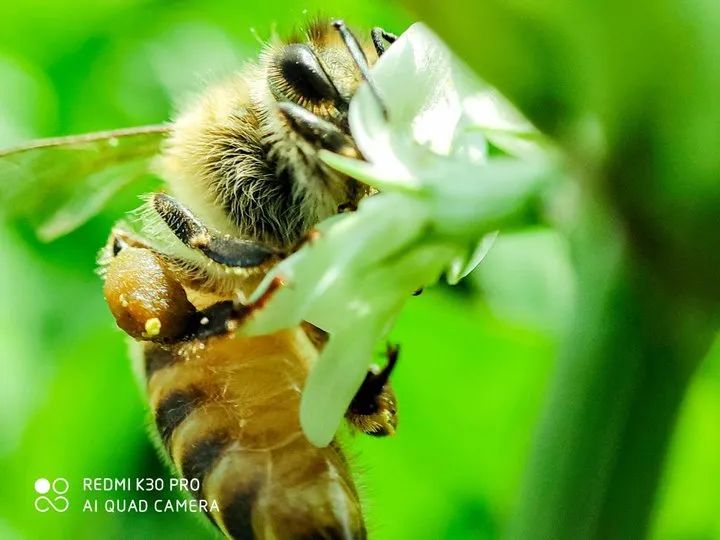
(626,364)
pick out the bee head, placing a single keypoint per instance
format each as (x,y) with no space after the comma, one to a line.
(320,72)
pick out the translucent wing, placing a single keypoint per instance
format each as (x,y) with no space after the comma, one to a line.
(58,184)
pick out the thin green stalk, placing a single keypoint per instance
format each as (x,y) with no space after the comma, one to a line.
(601,443)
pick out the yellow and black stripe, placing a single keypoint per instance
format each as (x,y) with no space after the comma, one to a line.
(226,412)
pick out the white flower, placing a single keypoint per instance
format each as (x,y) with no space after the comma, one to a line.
(441,199)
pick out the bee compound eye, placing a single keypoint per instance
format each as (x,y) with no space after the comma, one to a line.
(301,70)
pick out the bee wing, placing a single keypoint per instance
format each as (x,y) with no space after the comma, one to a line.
(60,183)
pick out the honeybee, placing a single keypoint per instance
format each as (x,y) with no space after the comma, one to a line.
(246,187)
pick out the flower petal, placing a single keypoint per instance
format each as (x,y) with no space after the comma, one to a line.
(463,265)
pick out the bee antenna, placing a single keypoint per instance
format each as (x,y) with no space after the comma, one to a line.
(358,56)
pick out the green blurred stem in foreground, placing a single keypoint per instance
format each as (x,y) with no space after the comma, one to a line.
(638,119)
(621,378)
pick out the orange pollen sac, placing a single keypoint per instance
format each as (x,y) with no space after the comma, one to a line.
(146,300)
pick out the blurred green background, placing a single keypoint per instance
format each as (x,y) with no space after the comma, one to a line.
(476,359)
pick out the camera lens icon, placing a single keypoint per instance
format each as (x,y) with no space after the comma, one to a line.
(42,485)
(56,501)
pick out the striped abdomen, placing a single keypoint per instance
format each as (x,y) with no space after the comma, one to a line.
(226,410)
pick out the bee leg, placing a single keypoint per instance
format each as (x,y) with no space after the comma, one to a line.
(147,300)
(119,239)
(380,37)
(316,130)
(143,294)
(190,231)
(373,410)
(226,316)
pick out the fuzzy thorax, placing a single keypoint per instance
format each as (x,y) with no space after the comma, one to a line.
(238,164)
